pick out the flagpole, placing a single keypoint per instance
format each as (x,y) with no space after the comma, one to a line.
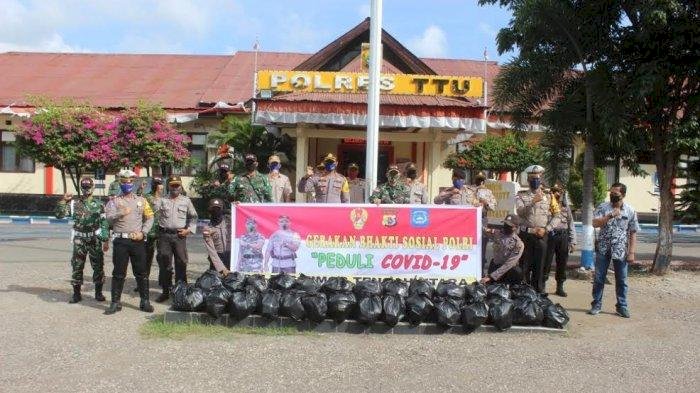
(256,47)
(375,61)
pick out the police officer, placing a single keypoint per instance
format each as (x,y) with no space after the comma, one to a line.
(507,250)
(459,193)
(329,186)
(282,248)
(281,187)
(252,186)
(394,190)
(250,255)
(533,208)
(561,239)
(217,238)
(177,219)
(419,193)
(487,201)
(131,218)
(153,196)
(357,184)
(90,237)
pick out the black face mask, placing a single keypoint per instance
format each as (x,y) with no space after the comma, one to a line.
(411,174)
(507,229)
(216,215)
(223,176)
(251,165)
(615,198)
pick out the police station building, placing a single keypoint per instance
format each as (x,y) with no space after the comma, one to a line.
(427,106)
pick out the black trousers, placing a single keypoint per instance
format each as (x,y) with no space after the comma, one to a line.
(532,261)
(171,245)
(512,276)
(484,242)
(557,247)
(225,258)
(123,251)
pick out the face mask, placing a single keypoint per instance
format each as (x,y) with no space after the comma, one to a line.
(274,166)
(126,187)
(284,225)
(216,214)
(175,191)
(352,175)
(507,229)
(535,183)
(458,183)
(251,165)
(392,176)
(615,198)
(86,190)
(223,176)
(330,166)
(250,227)
(412,174)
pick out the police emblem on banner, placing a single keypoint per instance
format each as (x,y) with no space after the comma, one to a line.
(358,217)
(389,218)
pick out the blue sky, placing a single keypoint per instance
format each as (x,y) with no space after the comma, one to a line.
(432,28)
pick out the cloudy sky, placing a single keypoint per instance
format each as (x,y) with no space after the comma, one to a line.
(430,28)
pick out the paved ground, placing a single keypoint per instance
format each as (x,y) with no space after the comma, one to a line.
(48,344)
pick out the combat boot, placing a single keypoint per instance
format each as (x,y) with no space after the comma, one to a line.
(145,305)
(163,297)
(76,295)
(98,293)
(560,289)
(116,305)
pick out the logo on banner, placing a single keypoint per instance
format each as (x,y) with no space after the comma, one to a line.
(419,218)
(358,216)
(389,217)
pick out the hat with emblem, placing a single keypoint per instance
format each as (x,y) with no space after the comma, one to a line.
(216,202)
(512,220)
(534,170)
(353,165)
(330,157)
(174,179)
(86,182)
(126,174)
(224,167)
(274,158)
(250,157)
(156,180)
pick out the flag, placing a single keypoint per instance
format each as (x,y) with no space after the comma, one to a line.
(256,45)
(486,55)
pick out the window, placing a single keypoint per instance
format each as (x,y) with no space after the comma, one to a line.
(198,156)
(10,161)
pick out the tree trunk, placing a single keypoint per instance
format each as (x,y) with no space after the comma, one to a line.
(74,180)
(588,176)
(665,166)
(63,180)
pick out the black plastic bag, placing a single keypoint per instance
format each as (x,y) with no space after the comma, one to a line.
(447,313)
(526,312)
(337,284)
(307,284)
(544,301)
(474,315)
(234,281)
(369,309)
(394,308)
(270,304)
(420,286)
(450,289)
(523,291)
(500,313)
(256,281)
(244,303)
(418,308)
(474,293)
(555,316)
(291,305)
(395,287)
(341,305)
(217,301)
(315,306)
(367,288)
(187,297)
(282,281)
(498,290)
(208,280)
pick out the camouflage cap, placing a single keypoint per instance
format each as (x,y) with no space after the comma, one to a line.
(250,157)
(156,180)
(512,220)
(86,182)
(393,168)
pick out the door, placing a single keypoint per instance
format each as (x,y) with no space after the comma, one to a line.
(356,152)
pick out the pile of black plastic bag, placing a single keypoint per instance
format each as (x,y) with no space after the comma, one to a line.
(390,301)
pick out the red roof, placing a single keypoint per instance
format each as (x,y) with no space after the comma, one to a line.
(174,81)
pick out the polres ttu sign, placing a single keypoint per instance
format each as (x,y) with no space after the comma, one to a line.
(349,82)
(357,240)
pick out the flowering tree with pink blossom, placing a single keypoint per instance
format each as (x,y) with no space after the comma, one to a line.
(78,137)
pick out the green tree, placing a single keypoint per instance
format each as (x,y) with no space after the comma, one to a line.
(575,185)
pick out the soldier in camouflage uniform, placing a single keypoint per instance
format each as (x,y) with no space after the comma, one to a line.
(90,237)
(251,187)
(393,191)
(250,255)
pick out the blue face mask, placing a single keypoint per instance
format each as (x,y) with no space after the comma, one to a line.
(127,187)
(458,183)
(330,166)
(535,183)
(274,166)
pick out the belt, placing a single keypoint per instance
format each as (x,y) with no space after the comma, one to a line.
(249,256)
(87,234)
(167,230)
(282,258)
(121,235)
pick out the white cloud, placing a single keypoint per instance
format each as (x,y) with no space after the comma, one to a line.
(53,43)
(487,30)
(186,14)
(432,43)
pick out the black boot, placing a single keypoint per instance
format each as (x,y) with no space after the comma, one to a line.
(560,289)
(145,305)
(116,305)
(98,293)
(163,297)
(76,295)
